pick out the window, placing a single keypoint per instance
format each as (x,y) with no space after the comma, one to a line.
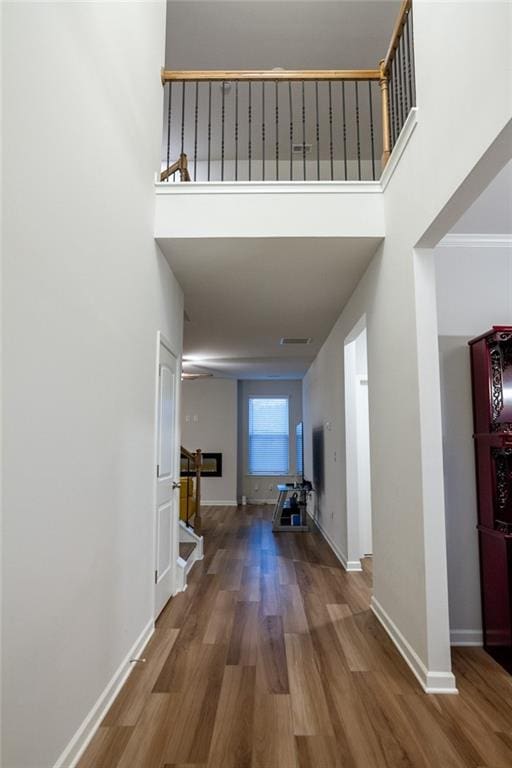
(268,436)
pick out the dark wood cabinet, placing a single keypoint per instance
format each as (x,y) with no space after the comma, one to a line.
(491,369)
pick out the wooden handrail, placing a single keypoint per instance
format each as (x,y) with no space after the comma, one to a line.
(182,76)
(187,454)
(397,33)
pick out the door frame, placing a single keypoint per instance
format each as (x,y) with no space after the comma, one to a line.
(350,381)
(162,341)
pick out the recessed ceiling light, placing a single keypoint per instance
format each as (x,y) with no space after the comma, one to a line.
(296,340)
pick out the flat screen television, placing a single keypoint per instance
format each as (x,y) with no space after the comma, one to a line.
(299,451)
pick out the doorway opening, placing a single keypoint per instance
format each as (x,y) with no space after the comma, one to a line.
(473,280)
(357,443)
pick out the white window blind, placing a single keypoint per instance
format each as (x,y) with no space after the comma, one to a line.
(268,436)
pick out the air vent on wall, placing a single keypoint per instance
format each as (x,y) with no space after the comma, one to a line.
(297,340)
(298,149)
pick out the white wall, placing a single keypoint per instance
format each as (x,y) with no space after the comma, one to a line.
(209,421)
(1,393)
(465,309)
(397,294)
(85,291)
(269,209)
(258,488)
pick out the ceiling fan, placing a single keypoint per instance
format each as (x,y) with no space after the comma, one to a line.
(187,376)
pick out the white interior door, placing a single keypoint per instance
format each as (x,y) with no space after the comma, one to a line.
(166,494)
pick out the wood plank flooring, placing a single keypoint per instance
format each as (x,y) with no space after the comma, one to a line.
(272,659)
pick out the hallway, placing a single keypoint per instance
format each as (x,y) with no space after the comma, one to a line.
(272,659)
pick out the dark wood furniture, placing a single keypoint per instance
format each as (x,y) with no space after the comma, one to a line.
(491,368)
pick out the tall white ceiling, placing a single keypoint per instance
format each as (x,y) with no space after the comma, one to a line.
(243,295)
(293,34)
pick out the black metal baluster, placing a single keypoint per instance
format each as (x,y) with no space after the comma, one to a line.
(400,86)
(408,58)
(291,129)
(263,130)
(209,125)
(303,130)
(250,129)
(410,23)
(344,127)
(358,132)
(196,113)
(331,144)
(317,133)
(372,137)
(183,117)
(236,130)
(222,119)
(396,100)
(391,108)
(169,127)
(277,129)
(407,105)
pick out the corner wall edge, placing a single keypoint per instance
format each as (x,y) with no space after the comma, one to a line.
(432,681)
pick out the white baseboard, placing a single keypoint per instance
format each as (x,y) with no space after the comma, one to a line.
(228,503)
(466,637)
(76,747)
(431,681)
(349,565)
(261,501)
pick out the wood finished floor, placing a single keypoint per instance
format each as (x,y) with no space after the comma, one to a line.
(272,659)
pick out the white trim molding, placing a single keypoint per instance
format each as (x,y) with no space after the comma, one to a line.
(349,565)
(399,148)
(78,744)
(469,637)
(266,187)
(430,680)
(470,240)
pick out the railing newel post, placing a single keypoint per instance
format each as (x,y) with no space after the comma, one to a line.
(197,518)
(384,90)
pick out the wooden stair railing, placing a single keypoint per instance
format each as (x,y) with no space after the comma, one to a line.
(195,464)
(180,166)
(395,76)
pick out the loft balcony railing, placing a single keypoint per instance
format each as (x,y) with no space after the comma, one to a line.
(282,125)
